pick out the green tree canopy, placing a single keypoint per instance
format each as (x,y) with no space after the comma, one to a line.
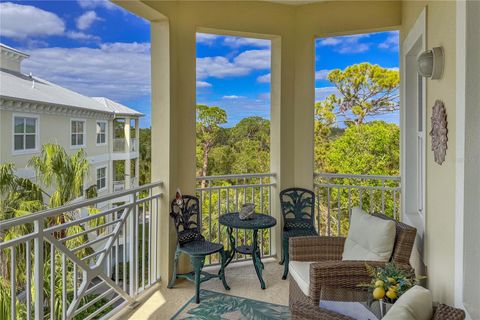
(363,90)
(370,148)
(209,120)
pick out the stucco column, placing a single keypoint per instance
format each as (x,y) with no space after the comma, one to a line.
(127,130)
(173,123)
(304,87)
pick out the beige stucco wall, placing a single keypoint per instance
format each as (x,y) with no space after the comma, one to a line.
(56,129)
(440,180)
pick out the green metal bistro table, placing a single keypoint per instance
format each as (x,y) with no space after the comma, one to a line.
(258,222)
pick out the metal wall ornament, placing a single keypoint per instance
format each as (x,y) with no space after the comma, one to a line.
(439,131)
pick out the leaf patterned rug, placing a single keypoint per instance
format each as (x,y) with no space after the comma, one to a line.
(215,305)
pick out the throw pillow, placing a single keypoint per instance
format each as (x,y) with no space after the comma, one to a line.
(415,304)
(369,238)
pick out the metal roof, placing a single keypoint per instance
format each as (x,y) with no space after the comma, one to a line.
(18,86)
(117,108)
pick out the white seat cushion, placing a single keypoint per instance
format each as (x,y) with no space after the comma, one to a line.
(415,304)
(300,272)
(369,237)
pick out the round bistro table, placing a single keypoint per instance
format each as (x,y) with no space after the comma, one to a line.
(258,222)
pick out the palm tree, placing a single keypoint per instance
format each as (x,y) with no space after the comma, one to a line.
(18,197)
(62,173)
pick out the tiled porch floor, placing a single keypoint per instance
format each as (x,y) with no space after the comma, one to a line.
(163,303)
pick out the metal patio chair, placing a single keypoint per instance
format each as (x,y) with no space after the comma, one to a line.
(187,218)
(298,209)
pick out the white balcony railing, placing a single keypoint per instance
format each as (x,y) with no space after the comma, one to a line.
(221,194)
(77,261)
(119,145)
(336,194)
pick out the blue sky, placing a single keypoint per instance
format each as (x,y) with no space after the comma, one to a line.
(85,44)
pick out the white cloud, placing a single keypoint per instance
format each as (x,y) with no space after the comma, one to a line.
(92,4)
(330,41)
(232,42)
(254,59)
(207,38)
(391,43)
(98,71)
(203,84)
(236,42)
(324,92)
(347,44)
(86,20)
(241,65)
(233,97)
(22,21)
(264,79)
(218,67)
(322,74)
(78,35)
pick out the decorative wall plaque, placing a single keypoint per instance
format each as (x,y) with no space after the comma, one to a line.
(439,132)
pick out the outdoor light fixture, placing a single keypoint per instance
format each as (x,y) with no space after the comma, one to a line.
(430,63)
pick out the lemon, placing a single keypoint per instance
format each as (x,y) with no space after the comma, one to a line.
(392,281)
(378,293)
(391,294)
(379,283)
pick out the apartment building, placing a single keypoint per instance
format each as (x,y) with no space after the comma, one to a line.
(34,112)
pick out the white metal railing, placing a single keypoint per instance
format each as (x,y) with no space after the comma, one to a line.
(221,194)
(119,145)
(80,261)
(336,194)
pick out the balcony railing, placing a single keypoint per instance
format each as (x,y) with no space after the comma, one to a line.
(119,145)
(221,194)
(336,194)
(120,185)
(79,261)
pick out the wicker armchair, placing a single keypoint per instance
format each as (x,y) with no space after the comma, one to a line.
(328,269)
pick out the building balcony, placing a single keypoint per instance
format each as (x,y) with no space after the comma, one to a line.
(93,264)
(121,145)
(122,184)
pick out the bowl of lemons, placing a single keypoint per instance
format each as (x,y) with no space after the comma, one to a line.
(388,283)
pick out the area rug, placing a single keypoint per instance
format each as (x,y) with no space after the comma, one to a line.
(215,305)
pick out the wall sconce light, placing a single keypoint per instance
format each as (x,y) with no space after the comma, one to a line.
(430,63)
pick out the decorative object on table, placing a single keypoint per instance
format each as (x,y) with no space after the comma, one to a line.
(247,211)
(439,131)
(298,208)
(389,283)
(430,63)
(316,262)
(217,305)
(261,221)
(185,212)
